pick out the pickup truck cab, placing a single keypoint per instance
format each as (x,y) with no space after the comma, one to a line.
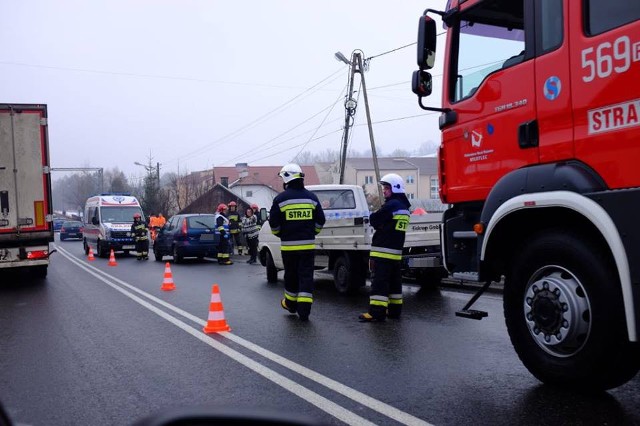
(342,247)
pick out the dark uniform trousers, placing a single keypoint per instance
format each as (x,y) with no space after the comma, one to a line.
(386,288)
(298,280)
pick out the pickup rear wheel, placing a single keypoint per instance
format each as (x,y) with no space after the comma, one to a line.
(430,278)
(348,274)
(564,314)
(272,271)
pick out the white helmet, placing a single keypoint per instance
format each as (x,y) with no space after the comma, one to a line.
(394,181)
(290,172)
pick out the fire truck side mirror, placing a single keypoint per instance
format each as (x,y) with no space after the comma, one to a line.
(421,83)
(426,42)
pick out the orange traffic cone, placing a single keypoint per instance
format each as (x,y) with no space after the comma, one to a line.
(167,283)
(112,259)
(216,321)
(91,258)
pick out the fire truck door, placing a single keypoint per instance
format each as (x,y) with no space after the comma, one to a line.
(553,84)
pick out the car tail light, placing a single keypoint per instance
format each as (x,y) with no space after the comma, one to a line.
(38,254)
(184,226)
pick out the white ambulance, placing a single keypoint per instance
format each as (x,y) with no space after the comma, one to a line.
(107,223)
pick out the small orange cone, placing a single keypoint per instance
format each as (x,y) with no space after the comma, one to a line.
(167,283)
(91,258)
(112,259)
(216,321)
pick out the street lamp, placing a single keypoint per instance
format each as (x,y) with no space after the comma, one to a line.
(149,169)
(340,57)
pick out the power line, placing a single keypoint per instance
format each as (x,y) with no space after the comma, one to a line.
(321,123)
(249,125)
(267,145)
(149,76)
(391,51)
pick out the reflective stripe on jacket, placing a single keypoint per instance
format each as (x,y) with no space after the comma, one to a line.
(390,223)
(296,217)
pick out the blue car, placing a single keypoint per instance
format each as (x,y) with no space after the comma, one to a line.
(187,235)
(71,229)
(57,224)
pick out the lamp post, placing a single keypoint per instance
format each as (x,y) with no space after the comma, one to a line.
(356,65)
(149,168)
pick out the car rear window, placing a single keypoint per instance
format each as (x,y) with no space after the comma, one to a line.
(202,222)
(71,224)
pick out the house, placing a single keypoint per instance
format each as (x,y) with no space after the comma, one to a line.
(420,174)
(245,184)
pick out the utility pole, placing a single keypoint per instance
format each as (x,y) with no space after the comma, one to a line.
(356,66)
(350,105)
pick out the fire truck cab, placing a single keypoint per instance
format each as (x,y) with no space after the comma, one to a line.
(539,160)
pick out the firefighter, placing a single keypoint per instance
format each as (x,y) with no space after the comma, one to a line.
(234,227)
(140,233)
(390,224)
(296,217)
(222,229)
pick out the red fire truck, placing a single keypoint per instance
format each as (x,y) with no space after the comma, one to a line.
(540,163)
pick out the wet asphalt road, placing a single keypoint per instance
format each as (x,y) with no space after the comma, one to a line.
(101,348)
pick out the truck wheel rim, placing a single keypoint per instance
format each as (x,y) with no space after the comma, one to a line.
(557,311)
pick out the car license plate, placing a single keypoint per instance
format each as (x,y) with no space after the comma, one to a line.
(128,247)
(206,237)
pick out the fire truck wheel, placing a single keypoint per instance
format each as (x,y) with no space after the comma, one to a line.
(272,271)
(564,313)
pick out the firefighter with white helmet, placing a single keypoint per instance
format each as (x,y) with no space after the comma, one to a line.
(385,258)
(296,217)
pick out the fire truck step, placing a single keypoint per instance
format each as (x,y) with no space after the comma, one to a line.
(472,314)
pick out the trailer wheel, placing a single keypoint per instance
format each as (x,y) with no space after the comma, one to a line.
(272,271)
(40,271)
(86,247)
(564,314)
(348,274)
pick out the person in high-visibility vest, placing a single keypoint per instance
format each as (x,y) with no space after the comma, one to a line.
(296,217)
(385,257)
(234,227)
(222,229)
(141,236)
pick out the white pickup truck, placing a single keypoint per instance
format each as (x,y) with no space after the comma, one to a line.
(342,247)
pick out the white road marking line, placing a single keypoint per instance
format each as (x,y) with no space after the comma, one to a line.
(361,398)
(319,401)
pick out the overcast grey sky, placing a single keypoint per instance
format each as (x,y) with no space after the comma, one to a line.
(196,83)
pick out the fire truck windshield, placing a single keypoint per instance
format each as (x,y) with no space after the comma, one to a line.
(488,41)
